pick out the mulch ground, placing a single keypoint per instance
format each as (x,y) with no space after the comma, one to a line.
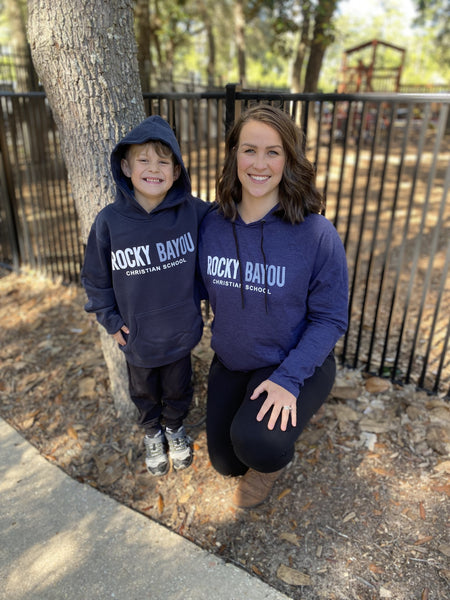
(362,512)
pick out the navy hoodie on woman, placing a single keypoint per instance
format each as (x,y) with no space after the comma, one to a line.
(278,292)
(139,267)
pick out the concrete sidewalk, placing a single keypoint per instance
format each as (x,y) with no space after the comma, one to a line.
(62,539)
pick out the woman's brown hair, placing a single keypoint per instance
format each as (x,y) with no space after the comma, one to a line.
(298,195)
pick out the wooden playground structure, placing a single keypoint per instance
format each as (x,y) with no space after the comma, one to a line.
(364,70)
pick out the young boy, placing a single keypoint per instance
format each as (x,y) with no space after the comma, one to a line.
(139,277)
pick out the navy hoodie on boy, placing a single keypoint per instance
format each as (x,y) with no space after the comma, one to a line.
(139,267)
(278,292)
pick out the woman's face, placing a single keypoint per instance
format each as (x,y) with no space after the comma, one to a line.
(260,162)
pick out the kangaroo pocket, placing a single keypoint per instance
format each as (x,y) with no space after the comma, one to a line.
(163,334)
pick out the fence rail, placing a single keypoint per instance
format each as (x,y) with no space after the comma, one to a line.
(383,165)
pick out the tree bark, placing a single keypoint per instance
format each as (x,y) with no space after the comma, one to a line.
(84,52)
(142,19)
(301,48)
(239,20)
(322,38)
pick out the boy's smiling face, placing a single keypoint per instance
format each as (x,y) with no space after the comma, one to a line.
(151,174)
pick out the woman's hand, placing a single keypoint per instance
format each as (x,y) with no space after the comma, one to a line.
(280,401)
(119,337)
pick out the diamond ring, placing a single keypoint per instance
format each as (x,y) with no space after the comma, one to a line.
(287,407)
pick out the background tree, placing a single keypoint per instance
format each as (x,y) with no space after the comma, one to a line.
(323,36)
(302,47)
(170,34)
(85,54)
(16,14)
(208,19)
(143,37)
(239,25)
(436,13)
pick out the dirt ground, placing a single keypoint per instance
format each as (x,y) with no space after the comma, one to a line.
(361,513)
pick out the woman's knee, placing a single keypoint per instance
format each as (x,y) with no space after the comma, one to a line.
(261,449)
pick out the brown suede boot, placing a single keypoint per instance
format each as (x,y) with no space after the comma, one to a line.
(254,488)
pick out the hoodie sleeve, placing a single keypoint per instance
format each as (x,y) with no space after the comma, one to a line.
(97,281)
(327,318)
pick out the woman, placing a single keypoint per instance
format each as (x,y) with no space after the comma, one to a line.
(276,276)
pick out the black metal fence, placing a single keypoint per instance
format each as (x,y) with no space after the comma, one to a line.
(383,165)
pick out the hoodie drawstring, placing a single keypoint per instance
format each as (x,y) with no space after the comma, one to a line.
(240,263)
(265,265)
(236,241)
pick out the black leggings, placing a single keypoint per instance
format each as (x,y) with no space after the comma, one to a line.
(236,440)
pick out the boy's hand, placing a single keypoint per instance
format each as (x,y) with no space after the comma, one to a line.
(119,337)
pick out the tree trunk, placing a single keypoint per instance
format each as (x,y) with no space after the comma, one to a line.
(26,80)
(85,54)
(211,68)
(322,38)
(142,18)
(239,21)
(301,48)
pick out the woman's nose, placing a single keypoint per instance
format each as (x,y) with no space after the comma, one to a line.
(260,161)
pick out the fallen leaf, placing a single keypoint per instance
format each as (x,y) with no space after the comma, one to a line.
(423,540)
(27,423)
(284,493)
(374,426)
(346,413)
(345,392)
(86,387)
(256,570)
(444,549)
(422,511)
(72,433)
(292,538)
(160,504)
(376,385)
(442,488)
(375,569)
(188,492)
(443,467)
(349,517)
(292,576)
(381,471)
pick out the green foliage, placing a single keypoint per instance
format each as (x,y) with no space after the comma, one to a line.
(435,14)
(179,42)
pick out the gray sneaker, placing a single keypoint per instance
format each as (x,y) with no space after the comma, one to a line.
(180,450)
(156,458)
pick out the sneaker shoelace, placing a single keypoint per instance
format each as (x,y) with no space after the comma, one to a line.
(154,448)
